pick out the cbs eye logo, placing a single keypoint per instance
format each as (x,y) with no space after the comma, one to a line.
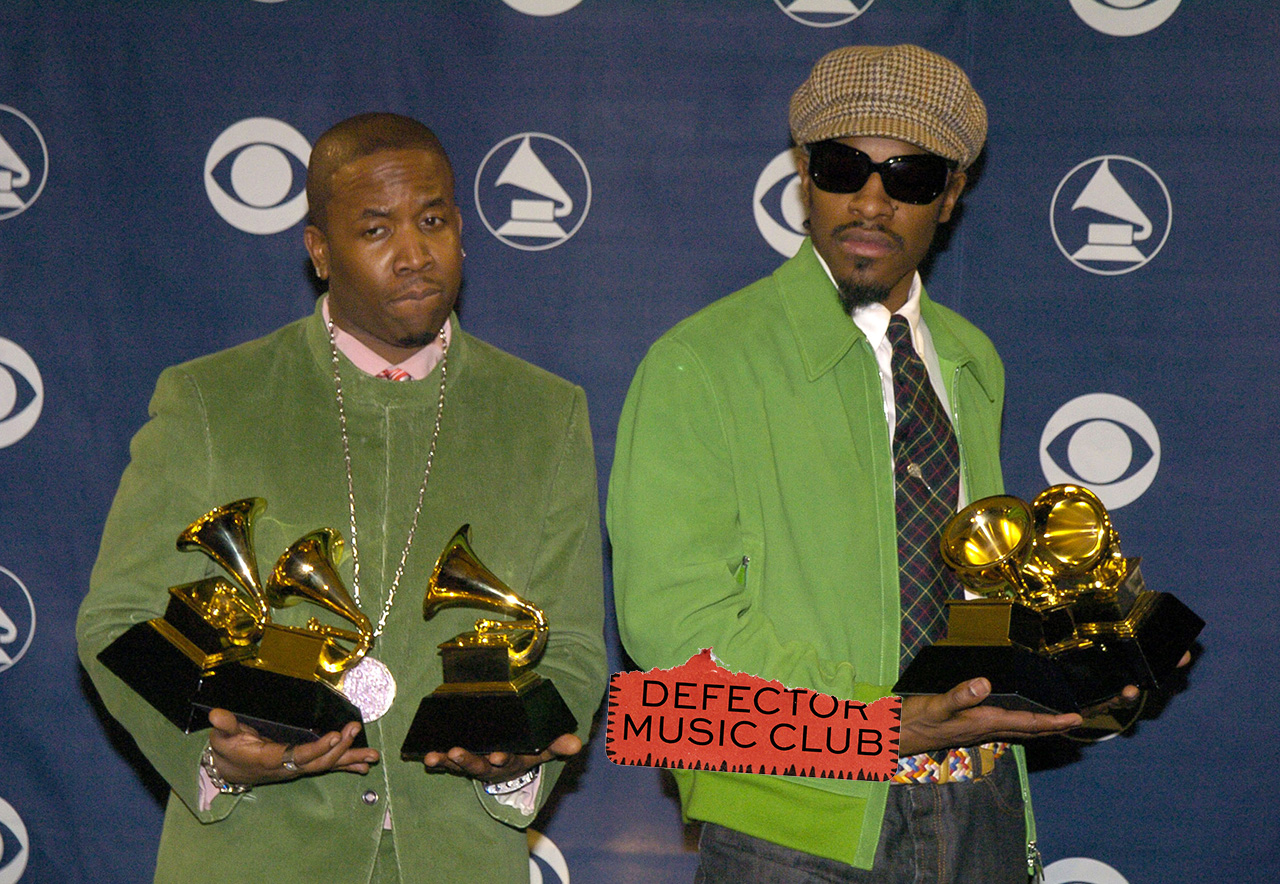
(14,844)
(542,7)
(1124,18)
(1103,442)
(545,857)
(255,175)
(21,393)
(778,208)
(1081,870)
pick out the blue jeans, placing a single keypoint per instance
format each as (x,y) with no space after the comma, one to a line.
(958,833)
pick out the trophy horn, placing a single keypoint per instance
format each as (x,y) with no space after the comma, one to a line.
(1073,526)
(987,542)
(225,534)
(461,580)
(1074,536)
(307,571)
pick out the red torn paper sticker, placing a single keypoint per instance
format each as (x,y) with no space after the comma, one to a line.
(701,716)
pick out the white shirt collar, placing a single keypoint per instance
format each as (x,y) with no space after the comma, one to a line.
(873,319)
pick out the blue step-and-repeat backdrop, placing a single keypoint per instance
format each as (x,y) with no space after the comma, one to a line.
(620,164)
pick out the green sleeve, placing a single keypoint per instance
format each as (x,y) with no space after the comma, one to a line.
(164,487)
(567,582)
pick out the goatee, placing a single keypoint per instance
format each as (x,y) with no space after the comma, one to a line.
(859,294)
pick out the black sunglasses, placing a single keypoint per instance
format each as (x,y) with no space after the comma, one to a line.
(916,178)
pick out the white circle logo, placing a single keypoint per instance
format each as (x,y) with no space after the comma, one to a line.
(254,175)
(1124,18)
(17,619)
(24,162)
(1108,445)
(1081,870)
(778,208)
(537,190)
(1110,215)
(543,854)
(21,393)
(14,844)
(822,13)
(542,7)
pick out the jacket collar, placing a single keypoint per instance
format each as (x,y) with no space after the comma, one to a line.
(317,337)
(822,330)
(824,333)
(948,343)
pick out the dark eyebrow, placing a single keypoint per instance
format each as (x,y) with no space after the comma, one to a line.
(379,212)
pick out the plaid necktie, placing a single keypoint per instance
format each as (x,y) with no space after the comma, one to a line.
(926,468)
(394,374)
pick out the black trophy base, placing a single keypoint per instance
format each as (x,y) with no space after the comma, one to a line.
(1072,679)
(1164,632)
(279,707)
(523,723)
(160,673)
(1020,679)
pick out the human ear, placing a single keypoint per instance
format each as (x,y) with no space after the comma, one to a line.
(318,248)
(950,196)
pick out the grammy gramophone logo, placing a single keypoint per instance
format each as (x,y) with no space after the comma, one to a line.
(533,191)
(24,162)
(823,13)
(1111,215)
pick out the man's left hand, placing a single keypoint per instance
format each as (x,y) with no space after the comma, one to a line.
(498,767)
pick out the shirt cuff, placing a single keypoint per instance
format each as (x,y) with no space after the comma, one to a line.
(207,792)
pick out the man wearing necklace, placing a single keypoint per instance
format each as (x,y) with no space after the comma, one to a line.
(311,419)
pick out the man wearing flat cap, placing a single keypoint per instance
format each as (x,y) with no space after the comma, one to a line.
(786,458)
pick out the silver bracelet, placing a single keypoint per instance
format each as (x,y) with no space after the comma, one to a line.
(513,785)
(215,778)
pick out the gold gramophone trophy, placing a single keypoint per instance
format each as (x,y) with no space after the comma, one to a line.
(217,645)
(1065,620)
(491,699)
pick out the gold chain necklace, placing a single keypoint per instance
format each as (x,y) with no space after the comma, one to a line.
(370,685)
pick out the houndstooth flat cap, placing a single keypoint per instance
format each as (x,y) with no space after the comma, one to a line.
(903,92)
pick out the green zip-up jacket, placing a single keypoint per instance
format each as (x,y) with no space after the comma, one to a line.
(751,511)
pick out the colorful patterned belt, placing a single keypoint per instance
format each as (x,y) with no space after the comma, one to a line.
(954,766)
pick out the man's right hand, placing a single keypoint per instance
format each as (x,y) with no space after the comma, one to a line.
(241,755)
(959,718)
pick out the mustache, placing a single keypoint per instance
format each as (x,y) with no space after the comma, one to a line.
(862,227)
(427,285)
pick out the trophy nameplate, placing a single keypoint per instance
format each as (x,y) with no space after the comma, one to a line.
(491,700)
(1065,621)
(217,645)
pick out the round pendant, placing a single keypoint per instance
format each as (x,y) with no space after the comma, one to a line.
(371,687)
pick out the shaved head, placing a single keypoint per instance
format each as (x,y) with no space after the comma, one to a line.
(357,137)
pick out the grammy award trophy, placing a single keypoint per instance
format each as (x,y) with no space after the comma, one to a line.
(218,646)
(1064,621)
(491,699)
